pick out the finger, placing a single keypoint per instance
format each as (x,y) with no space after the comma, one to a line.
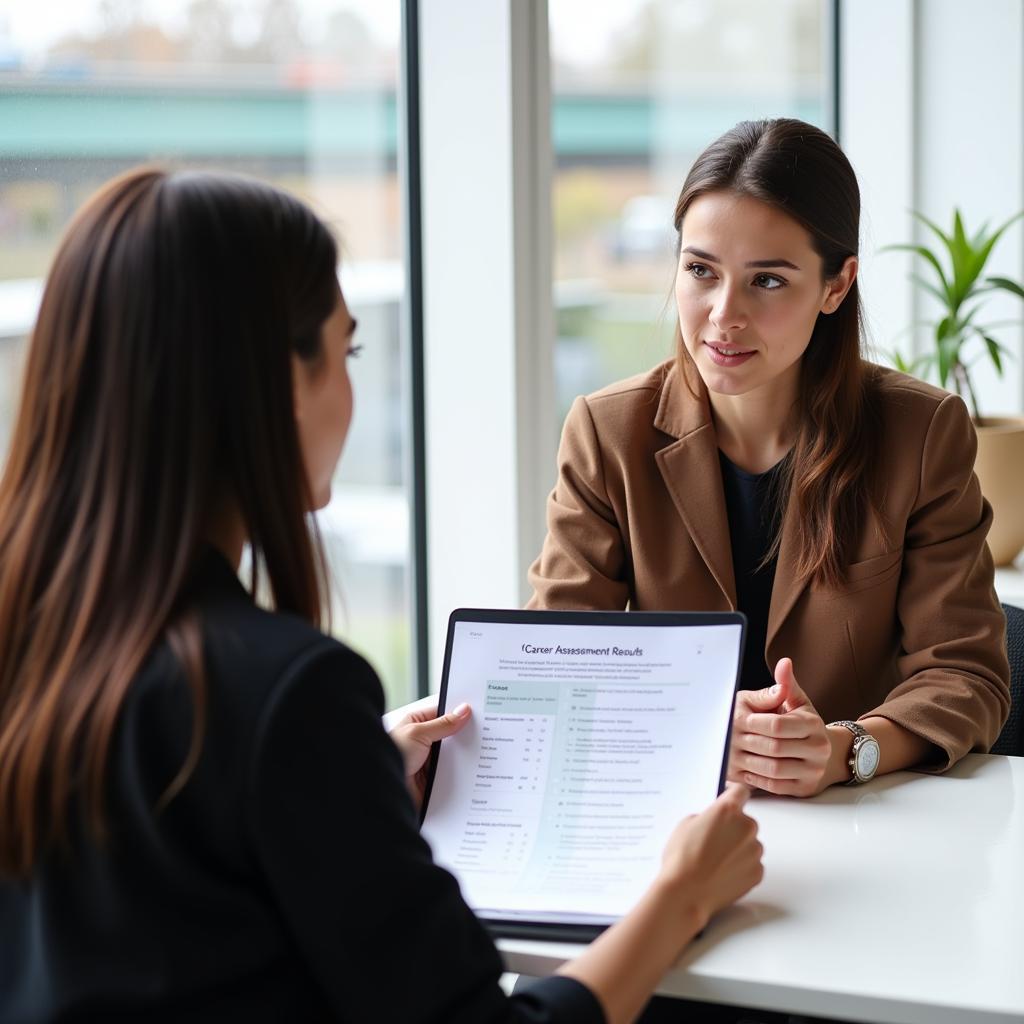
(771,746)
(760,700)
(773,767)
(766,746)
(421,711)
(793,726)
(785,678)
(813,751)
(445,725)
(734,795)
(780,787)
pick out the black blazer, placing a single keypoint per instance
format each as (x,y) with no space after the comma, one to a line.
(287,882)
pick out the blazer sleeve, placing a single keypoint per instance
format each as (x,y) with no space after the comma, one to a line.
(955,689)
(582,563)
(383,930)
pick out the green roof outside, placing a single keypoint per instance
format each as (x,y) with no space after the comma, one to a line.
(80,121)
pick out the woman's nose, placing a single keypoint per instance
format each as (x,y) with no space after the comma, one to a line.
(727,311)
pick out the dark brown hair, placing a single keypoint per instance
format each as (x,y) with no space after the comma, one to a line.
(800,170)
(158,384)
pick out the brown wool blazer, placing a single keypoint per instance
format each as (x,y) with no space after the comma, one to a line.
(915,634)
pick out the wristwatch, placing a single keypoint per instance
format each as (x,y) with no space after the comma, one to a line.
(863,761)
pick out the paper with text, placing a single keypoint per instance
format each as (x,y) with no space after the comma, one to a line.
(586,747)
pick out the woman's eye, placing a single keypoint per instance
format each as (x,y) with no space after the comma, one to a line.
(698,270)
(353,351)
(769,282)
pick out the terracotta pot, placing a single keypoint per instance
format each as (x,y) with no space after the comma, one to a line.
(1000,469)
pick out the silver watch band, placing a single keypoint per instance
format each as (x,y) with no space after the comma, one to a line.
(855,727)
(859,735)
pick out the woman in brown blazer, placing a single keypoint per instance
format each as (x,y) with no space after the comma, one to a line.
(768,467)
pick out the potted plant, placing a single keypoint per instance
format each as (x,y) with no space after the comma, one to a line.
(955,277)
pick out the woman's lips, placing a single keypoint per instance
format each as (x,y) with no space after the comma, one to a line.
(728,355)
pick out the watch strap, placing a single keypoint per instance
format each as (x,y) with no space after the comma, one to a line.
(859,734)
(856,728)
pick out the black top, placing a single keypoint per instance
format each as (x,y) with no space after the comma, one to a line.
(748,504)
(287,882)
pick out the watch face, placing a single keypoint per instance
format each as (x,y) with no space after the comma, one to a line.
(867,759)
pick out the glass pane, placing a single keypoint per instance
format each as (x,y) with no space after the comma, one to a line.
(301,93)
(640,87)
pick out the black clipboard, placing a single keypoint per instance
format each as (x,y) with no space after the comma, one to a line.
(554,930)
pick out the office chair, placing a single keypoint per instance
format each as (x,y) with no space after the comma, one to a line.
(1011,739)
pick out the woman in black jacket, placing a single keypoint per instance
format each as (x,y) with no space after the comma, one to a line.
(201,817)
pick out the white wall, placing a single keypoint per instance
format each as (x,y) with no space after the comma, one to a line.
(932,117)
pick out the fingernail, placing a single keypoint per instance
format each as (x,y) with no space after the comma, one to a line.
(461,711)
(774,690)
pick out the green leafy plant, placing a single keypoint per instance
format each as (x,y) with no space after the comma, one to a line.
(955,278)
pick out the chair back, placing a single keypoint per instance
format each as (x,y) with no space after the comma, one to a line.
(1011,739)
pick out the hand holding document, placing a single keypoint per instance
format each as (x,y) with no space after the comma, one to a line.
(592,735)
(416,733)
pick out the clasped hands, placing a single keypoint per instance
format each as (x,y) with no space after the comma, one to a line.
(779,741)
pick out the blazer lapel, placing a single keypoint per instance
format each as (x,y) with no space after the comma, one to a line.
(787,587)
(693,475)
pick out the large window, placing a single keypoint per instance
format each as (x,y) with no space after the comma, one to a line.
(640,87)
(301,93)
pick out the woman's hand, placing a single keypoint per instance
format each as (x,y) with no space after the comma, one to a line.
(779,742)
(714,858)
(416,733)
(710,860)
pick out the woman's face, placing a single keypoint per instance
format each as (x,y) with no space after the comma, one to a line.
(323,401)
(749,289)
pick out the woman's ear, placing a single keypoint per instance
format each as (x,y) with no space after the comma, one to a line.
(838,286)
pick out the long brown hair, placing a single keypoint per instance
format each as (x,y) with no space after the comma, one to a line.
(158,384)
(800,170)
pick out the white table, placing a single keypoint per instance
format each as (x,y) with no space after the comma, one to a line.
(901,901)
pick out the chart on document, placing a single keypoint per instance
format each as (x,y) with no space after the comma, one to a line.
(586,746)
